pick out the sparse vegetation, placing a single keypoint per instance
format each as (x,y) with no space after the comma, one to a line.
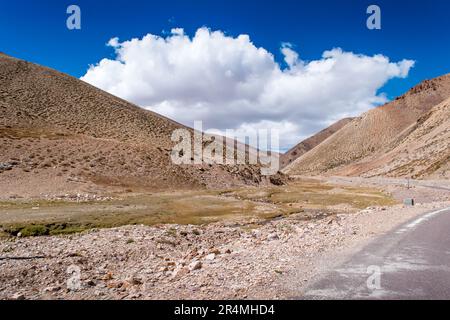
(309,198)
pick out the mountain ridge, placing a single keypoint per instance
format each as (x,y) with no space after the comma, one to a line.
(62,135)
(311,142)
(372,131)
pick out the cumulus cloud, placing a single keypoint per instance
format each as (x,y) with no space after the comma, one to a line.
(228,82)
(290,56)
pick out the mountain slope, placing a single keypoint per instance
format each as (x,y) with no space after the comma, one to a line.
(310,143)
(423,150)
(373,131)
(60,135)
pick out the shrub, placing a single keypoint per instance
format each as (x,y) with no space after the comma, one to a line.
(34,231)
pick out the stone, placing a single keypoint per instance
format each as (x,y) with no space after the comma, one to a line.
(195,265)
(52,289)
(115,285)
(215,251)
(6,166)
(273,236)
(108,276)
(180,271)
(210,256)
(256,233)
(135,281)
(18,296)
(99,293)
(90,283)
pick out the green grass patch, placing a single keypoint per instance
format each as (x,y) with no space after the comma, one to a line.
(40,218)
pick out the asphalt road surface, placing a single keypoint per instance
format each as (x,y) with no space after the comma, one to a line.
(411,262)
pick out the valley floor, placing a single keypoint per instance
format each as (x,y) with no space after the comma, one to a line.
(255,256)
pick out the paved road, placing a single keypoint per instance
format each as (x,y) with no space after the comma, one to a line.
(436,187)
(411,262)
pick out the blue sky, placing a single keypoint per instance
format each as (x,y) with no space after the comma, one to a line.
(35,30)
(420,30)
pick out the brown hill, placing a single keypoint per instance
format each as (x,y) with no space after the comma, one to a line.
(61,135)
(372,132)
(423,150)
(310,143)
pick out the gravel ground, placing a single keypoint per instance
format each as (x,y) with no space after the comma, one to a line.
(423,191)
(252,260)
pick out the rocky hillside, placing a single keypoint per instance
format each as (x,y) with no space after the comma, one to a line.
(373,132)
(59,135)
(423,150)
(310,143)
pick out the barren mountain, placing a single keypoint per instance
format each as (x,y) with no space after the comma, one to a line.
(310,143)
(61,135)
(373,132)
(423,150)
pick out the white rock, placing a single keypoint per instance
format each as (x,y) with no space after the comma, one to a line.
(195,265)
(273,236)
(210,256)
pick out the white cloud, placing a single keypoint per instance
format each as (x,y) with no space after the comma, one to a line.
(290,56)
(228,82)
(114,42)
